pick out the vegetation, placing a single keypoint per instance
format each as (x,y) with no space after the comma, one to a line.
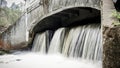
(2,52)
(117,16)
(8,16)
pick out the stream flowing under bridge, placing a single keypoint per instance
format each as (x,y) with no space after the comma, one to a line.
(44,15)
(49,14)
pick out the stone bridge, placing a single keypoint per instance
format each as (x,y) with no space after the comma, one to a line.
(52,14)
(49,14)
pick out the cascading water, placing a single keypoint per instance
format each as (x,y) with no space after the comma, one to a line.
(58,40)
(41,42)
(81,41)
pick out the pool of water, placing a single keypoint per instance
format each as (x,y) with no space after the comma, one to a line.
(35,60)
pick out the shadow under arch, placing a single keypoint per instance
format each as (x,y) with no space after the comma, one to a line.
(67,18)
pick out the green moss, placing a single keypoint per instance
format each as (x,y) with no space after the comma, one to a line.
(116,23)
(2,52)
(116,15)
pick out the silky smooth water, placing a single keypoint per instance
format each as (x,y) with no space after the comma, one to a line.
(32,60)
(79,42)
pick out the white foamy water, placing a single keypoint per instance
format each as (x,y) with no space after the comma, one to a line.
(78,42)
(33,60)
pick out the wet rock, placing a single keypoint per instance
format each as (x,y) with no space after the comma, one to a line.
(111,47)
(2,52)
(18,59)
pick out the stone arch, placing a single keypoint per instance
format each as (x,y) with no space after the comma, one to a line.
(66,17)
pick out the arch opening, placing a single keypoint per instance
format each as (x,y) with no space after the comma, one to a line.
(68,18)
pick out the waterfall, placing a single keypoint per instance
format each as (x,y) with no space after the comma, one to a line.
(82,41)
(57,41)
(40,42)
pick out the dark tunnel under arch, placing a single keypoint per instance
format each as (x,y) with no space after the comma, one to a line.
(68,18)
